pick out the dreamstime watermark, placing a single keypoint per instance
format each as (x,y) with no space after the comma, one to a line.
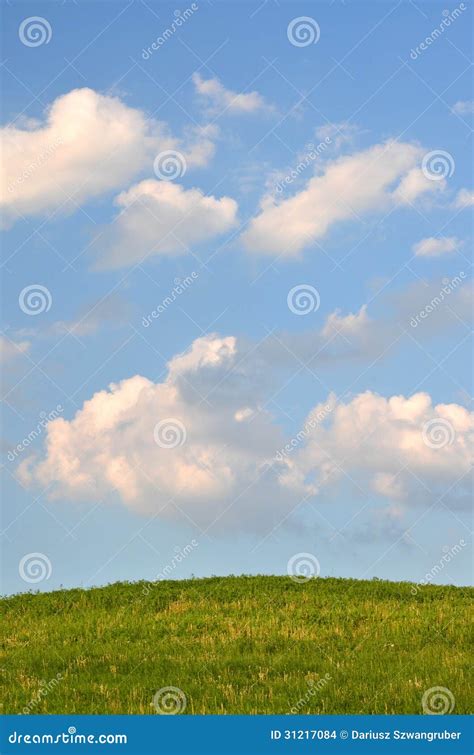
(303,299)
(35,299)
(44,690)
(180,286)
(438,433)
(35,433)
(169,701)
(180,555)
(448,18)
(32,167)
(315,419)
(437,165)
(169,433)
(35,31)
(313,689)
(447,557)
(179,20)
(169,165)
(35,567)
(303,31)
(449,285)
(312,153)
(67,737)
(437,701)
(302,567)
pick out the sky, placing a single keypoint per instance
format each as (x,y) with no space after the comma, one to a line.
(236,291)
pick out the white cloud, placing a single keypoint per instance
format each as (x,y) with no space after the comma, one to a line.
(219,100)
(464,107)
(10,349)
(87,144)
(351,325)
(386,444)
(161,218)
(435,247)
(110,445)
(338,133)
(373,180)
(221,463)
(422,310)
(110,310)
(464,198)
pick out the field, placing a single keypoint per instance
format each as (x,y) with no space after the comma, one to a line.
(235,645)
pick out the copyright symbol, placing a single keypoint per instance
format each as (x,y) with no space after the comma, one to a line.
(344,734)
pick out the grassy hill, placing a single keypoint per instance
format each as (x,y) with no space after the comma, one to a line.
(236,645)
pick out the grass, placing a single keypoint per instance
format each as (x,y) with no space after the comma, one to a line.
(236,645)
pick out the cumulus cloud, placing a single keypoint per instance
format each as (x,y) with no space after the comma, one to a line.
(338,134)
(119,441)
(464,107)
(199,445)
(435,247)
(373,180)
(386,444)
(11,349)
(464,198)
(219,100)
(161,218)
(111,310)
(420,310)
(87,144)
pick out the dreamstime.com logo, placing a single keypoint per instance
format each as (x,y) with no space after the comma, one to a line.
(450,285)
(67,737)
(180,286)
(303,299)
(180,555)
(448,18)
(169,433)
(34,568)
(438,433)
(438,165)
(302,567)
(35,433)
(312,153)
(179,20)
(448,555)
(437,701)
(314,420)
(35,299)
(303,31)
(314,688)
(35,165)
(169,701)
(170,165)
(35,31)
(44,690)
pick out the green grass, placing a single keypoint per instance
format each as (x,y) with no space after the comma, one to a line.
(236,645)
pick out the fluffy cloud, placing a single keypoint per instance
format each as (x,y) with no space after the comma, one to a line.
(464,107)
(112,310)
(116,441)
(338,134)
(395,446)
(435,247)
(464,198)
(161,218)
(87,144)
(422,310)
(219,100)
(373,180)
(199,445)
(10,349)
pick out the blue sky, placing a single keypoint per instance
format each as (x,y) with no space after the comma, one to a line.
(340,164)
